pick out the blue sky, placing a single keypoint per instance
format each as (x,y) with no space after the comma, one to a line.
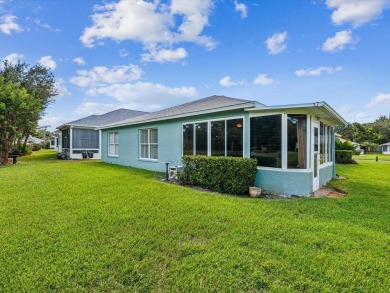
(149,55)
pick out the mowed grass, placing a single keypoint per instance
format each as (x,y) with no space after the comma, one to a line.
(86,226)
(372,156)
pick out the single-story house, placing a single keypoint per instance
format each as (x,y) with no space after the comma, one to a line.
(81,136)
(357,146)
(54,142)
(34,140)
(385,148)
(293,144)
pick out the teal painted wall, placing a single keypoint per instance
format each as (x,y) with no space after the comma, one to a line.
(326,174)
(170,149)
(169,141)
(285,182)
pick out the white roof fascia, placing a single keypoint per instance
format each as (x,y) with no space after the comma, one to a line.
(210,111)
(76,125)
(316,105)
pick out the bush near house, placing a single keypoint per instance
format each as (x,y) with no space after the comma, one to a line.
(222,174)
(344,157)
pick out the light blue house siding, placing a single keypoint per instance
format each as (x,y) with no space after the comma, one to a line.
(290,142)
(170,149)
(326,174)
(285,182)
(169,141)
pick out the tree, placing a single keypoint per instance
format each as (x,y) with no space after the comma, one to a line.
(17,108)
(39,84)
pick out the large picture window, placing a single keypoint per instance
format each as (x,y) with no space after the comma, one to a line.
(326,144)
(225,138)
(113,144)
(296,141)
(234,138)
(85,138)
(201,138)
(188,139)
(149,144)
(322,143)
(218,138)
(266,140)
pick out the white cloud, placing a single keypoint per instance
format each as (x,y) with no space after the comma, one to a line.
(338,42)
(8,24)
(380,100)
(45,26)
(318,71)
(13,58)
(100,75)
(48,62)
(152,23)
(61,88)
(241,8)
(362,116)
(227,82)
(164,55)
(53,121)
(356,12)
(142,90)
(277,43)
(345,108)
(262,79)
(90,108)
(79,61)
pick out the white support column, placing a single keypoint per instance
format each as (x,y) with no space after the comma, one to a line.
(284,141)
(70,142)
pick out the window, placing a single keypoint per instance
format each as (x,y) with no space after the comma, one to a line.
(225,138)
(326,143)
(188,139)
(201,138)
(85,138)
(266,140)
(113,144)
(149,144)
(322,143)
(218,138)
(296,142)
(234,138)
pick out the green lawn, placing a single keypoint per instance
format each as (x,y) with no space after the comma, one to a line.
(86,226)
(372,156)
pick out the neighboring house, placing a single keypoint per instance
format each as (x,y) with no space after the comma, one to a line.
(293,144)
(80,136)
(385,148)
(34,140)
(357,146)
(54,142)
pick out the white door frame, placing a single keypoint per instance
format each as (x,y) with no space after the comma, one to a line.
(315,157)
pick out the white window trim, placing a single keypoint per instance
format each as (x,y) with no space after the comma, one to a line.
(284,141)
(117,143)
(209,134)
(284,138)
(149,144)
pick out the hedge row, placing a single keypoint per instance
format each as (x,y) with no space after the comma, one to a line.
(344,157)
(221,174)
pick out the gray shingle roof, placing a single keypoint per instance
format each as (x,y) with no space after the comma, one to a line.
(206,104)
(105,119)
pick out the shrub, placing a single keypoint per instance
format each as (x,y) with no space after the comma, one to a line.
(222,174)
(18,150)
(35,147)
(346,146)
(344,157)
